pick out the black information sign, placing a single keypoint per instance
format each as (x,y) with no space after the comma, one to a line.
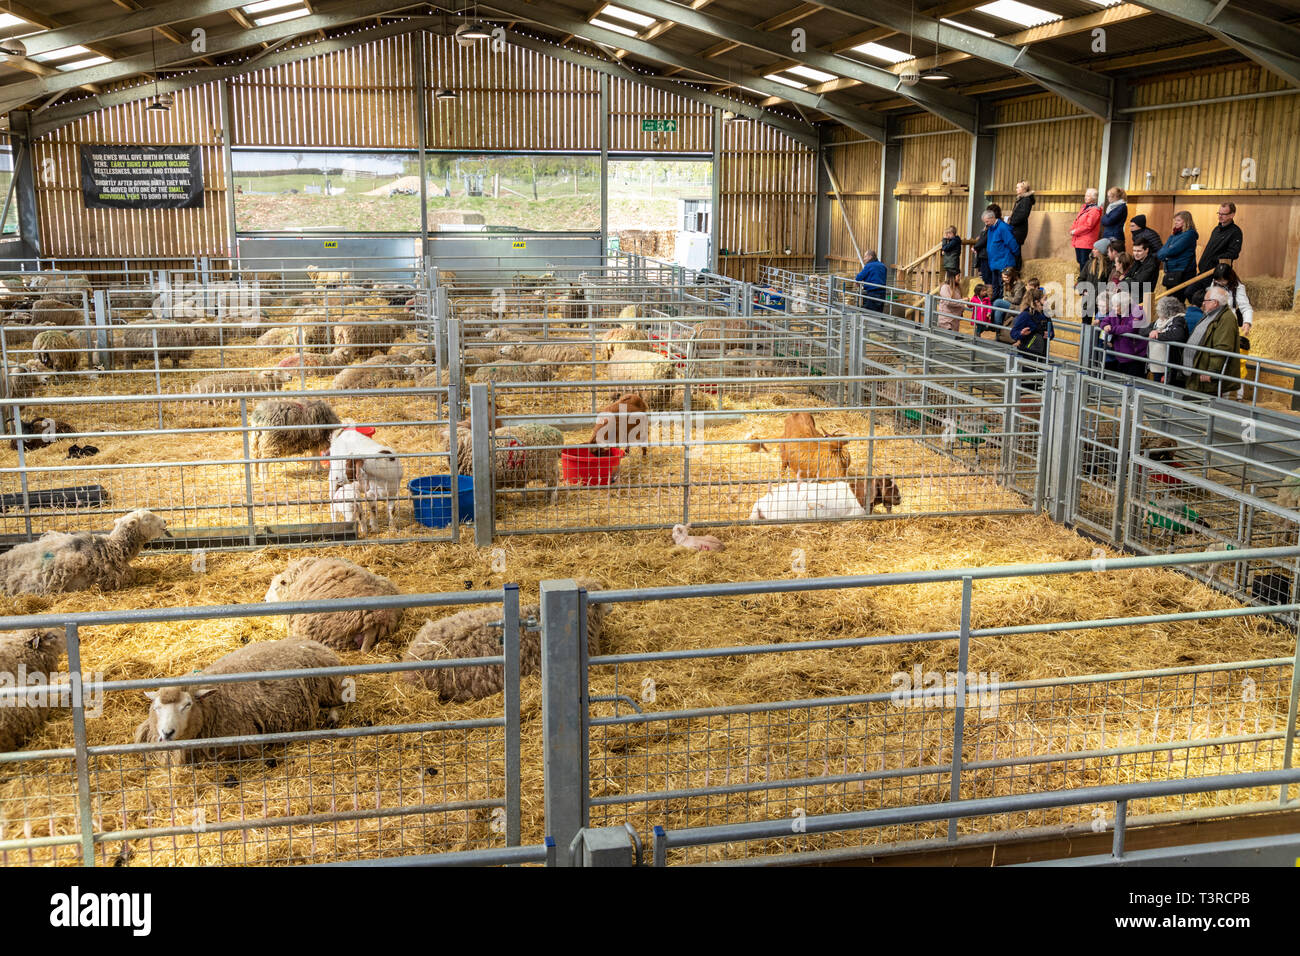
(141,177)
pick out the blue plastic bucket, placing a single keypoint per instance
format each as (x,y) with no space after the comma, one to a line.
(431,495)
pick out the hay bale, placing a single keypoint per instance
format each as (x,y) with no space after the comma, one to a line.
(1269,293)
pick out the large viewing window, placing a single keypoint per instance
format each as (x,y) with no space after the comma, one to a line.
(662,208)
(10,227)
(300,190)
(518,193)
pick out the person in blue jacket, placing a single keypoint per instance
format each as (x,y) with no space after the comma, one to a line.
(873,277)
(1032,327)
(1179,253)
(1114,216)
(1002,248)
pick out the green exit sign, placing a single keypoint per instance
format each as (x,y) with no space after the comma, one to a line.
(658,126)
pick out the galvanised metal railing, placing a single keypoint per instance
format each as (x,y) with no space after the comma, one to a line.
(85,796)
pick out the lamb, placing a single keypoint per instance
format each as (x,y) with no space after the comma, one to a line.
(507,371)
(245,708)
(27,658)
(58,561)
(478,633)
(811,459)
(635,365)
(701,542)
(319,579)
(288,429)
(624,421)
(22,381)
(521,454)
(175,343)
(57,350)
(374,467)
(813,501)
(267,380)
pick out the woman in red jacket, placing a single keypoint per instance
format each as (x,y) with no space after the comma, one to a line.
(1087,228)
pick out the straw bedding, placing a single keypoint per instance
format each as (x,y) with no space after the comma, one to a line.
(434,768)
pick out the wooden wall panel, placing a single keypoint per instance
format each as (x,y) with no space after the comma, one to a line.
(512,99)
(933,184)
(630,102)
(361,97)
(768,197)
(1058,159)
(69,229)
(857,172)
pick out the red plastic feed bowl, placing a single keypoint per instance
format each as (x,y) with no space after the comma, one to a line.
(578,466)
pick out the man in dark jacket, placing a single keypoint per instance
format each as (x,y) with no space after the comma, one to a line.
(1224,243)
(873,277)
(1144,275)
(1141,232)
(1019,221)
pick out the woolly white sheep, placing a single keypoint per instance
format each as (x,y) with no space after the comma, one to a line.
(27,658)
(248,707)
(288,428)
(267,380)
(636,365)
(318,579)
(59,561)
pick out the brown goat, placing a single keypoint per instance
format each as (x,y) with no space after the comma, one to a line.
(812,459)
(623,421)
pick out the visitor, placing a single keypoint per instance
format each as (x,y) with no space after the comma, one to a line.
(1214,372)
(1019,219)
(1145,273)
(950,251)
(1112,219)
(1087,227)
(981,310)
(1002,247)
(949,311)
(1125,350)
(1007,305)
(1092,280)
(872,278)
(1141,232)
(1179,254)
(1224,243)
(1031,329)
(1225,277)
(1194,312)
(1168,332)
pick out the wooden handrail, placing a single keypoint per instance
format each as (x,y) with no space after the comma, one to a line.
(922,257)
(1184,285)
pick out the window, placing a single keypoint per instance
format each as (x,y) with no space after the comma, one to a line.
(1021,14)
(662,208)
(6,181)
(541,192)
(300,190)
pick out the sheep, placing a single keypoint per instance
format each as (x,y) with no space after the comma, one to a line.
(508,371)
(696,542)
(473,358)
(326,280)
(635,365)
(503,333)
(57,350)
(624,421)
(175,343)
(267,380)
(558,354)
(56,312)
(371,373)
(374,467)
(478,633)
(288,428)
(1288,496)
(245,708)
(22,381)
(59,561)
(319,579)
(278,337)
(40,432)
(27,658)
(614,340)
(305,360)
(347,503)
(366,338)
(521,454)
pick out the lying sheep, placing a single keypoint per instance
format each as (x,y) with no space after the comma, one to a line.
(371,373)
(305,360)
(478,633)
(278,337)
(508,371)
(245,708)
(635,365)
(559,354)
(366,338)
(27,658)
(41,432)
(59,561)
(57,350)
(318,579)
(289,428)
(267,380)
(503,333)
(521,454)
(22,381)
(327,280)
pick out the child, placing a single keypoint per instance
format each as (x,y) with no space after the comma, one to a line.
(950,254)
(981,302)
(949,310)
(1030,331)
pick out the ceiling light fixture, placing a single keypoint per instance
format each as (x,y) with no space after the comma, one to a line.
(162,102)
(12,48)
(466,33)
(442,93)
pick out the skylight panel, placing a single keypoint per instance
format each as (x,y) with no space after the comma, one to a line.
(631,16)
(1021,14)
(968,29)
(262,6)
(9,20)
(778,78)
(808,73)
(82,64)
(61,54)
(281,17)
(611,25)
(881,52)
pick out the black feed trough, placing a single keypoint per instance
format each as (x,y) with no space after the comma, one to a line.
(77,496)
